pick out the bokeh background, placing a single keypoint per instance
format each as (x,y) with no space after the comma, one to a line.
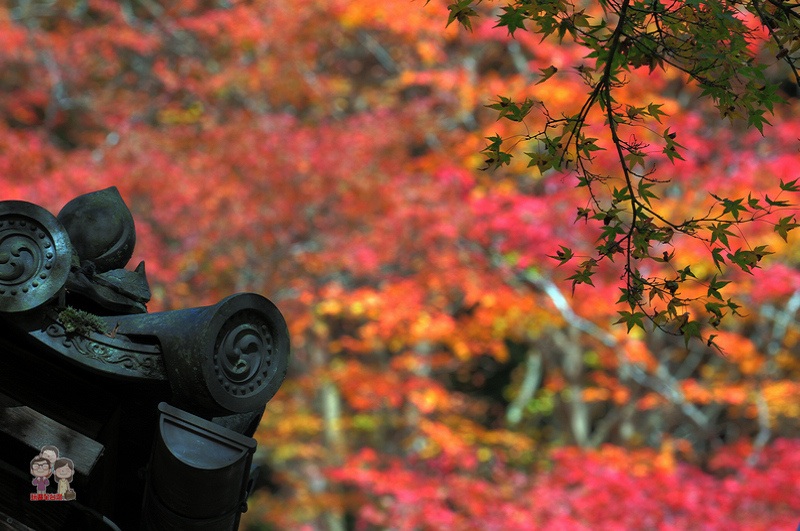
(325,153)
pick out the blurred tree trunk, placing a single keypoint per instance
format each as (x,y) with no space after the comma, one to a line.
(330,403)
(530,383)
(572,364)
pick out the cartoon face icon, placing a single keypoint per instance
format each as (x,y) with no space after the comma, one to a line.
(40,467)
(64,470)
(50,453)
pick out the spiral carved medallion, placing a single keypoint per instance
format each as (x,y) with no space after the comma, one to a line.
(35,256)
(243,354)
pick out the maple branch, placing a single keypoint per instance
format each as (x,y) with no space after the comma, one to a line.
(60,100)
(768,24)
(662,382)
(612,125)
(781,322)
(612,418)
(378,51)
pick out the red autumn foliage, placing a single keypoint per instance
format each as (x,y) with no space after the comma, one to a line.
(603,489)
(324,153)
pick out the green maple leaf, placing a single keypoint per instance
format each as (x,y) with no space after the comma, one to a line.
(719,231)
(512,18)
(631,319)
(689,330)
(461,11)
(784,225)
(563,255)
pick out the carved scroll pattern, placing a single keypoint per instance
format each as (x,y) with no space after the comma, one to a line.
(147,364)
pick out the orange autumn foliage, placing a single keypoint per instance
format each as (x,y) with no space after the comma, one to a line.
(325,153)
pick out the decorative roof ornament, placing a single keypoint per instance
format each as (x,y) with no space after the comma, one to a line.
(150,400)
(101,229)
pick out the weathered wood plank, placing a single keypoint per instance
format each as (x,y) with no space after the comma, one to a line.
(11,524)
(36,430)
